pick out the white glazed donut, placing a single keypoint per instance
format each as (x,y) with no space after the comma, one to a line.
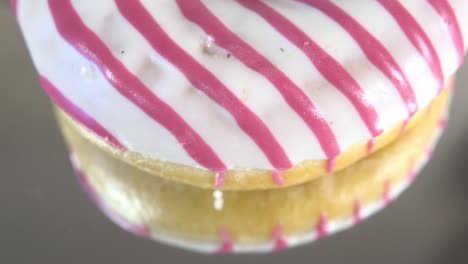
(244,95)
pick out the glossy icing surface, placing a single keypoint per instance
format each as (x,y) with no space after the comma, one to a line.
(243,84)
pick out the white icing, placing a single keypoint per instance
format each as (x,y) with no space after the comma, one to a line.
(83,84)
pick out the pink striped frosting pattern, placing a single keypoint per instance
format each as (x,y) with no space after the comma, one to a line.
(447,13)
(78,114)
(137,15)
(417,36)
(72,29)
(267,93)
(327,66)
(372,48)
(196,12)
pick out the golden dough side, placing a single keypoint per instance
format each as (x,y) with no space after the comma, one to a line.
(168,206)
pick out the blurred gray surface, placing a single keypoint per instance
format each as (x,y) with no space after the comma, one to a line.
(46,218)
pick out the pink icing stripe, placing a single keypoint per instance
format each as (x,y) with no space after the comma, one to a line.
(330,69)
(219,179)
(228,245)
(14,7)
(117,219)
(85,41)
(387,194)
(404,127)
(451,24)
(278,178)
(372,48)
(331,165)
(443,123)
(429,154)
(78,114)
(417,36)
(357,214)
(322,226)
(205,81)
(412,173)
(371,146)
(196,12)
(412,176)
(280,242)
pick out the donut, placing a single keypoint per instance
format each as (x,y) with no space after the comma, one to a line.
(247,125)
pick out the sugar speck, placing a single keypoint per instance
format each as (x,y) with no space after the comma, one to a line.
(218,200)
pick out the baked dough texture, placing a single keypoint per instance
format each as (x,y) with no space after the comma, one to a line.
(209,220)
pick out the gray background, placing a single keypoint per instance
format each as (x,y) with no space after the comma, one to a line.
(46,218)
